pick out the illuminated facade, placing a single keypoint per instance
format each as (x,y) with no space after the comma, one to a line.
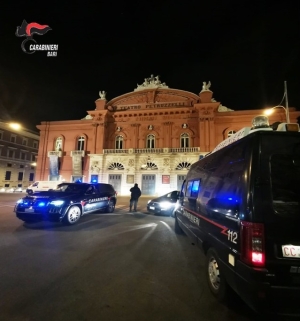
(18,152)
(149,136)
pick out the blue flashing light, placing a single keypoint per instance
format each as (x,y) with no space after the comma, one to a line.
(41,204)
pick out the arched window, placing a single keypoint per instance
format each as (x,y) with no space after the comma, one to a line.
(58,144)
(80,143)
(151,141)
(183,165)
(231,132)
(116,165)
(184,140)
(119,142)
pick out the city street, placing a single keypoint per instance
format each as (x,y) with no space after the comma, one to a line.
(120,266)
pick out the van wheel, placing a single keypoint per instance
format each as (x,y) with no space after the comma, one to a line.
(29,192)
(216,280)
(72,216)
(177,228)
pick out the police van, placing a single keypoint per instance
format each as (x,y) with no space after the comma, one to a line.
(240,204)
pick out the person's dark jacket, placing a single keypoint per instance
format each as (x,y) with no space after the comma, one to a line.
(135,193)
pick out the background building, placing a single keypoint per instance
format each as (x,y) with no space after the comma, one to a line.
(149,136)
(18,153)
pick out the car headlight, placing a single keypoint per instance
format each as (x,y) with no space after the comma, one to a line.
(165,205)
(20,201)
(57,203)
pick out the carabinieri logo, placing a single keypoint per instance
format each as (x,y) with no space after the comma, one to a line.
(28,30)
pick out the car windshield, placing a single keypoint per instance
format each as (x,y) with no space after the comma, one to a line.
(72,188)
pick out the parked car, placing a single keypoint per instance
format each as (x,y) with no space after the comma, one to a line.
(67,203)
(39,186)
(165,204)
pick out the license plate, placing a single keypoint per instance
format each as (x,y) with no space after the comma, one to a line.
(291,251)
(29,210)
(152,208)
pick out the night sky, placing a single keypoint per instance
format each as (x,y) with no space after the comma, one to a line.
(247,49)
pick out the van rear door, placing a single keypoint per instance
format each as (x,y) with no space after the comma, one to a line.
(279,206)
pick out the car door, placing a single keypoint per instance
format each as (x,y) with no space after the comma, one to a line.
(91,200)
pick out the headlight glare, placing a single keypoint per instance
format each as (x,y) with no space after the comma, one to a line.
(165,205)
(57,203)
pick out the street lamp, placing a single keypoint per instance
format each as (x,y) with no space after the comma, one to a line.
(287,115)
(15,126)
(286,108)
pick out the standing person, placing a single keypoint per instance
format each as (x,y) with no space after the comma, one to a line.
(135,194)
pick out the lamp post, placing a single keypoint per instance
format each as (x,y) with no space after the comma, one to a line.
(286,108)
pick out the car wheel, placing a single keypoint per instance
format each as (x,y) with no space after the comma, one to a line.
(215,278)
(178,229)
(29,192)
(73,215)
(110,207)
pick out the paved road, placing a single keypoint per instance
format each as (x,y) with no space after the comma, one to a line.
(120,266)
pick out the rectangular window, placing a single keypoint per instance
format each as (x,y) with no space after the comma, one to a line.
(31,177)
(7,175)
(189,188)
(21,166)
(193,188)
(13,138)
(9,165)
(24,141)
(20,176)
(285,176)
(11,153)
(23,156)
(35,144)
(94,178)
(33,157)
(1,135)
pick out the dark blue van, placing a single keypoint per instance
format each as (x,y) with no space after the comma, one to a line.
(240,204)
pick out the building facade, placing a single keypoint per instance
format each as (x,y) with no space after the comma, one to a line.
(18,153)
(149,136)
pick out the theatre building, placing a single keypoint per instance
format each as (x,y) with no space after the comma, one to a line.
(150,136)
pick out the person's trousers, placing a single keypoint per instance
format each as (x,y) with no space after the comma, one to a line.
(133,204)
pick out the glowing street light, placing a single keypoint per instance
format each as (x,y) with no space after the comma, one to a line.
(271,110)
(15,126)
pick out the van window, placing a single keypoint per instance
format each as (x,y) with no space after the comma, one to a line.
(193,188)
(285,180)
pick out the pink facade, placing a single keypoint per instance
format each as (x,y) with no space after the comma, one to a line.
(154,130)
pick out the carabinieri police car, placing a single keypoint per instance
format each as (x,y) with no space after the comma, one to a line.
(66,204)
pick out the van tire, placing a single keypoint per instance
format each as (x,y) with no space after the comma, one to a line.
(177,228)
(30,192)
(72,216)
(216,281)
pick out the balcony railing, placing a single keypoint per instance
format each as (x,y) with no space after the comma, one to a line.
(152,150)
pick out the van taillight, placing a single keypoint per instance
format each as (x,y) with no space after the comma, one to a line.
(253,243)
